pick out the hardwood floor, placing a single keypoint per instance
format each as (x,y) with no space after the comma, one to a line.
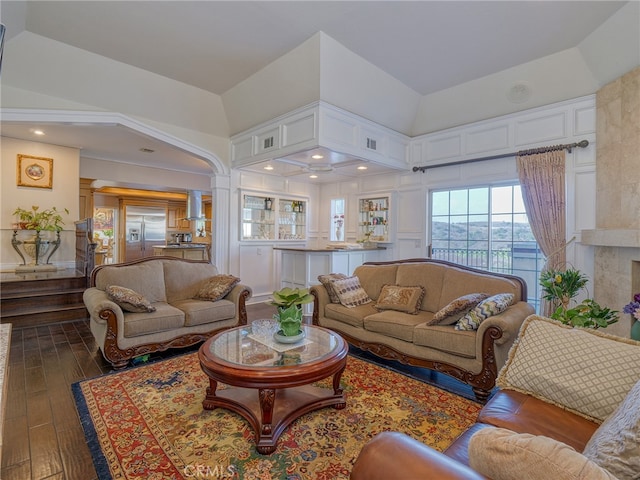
(42,434)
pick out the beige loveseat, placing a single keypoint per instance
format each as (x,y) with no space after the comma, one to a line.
(471,356)
(179,320)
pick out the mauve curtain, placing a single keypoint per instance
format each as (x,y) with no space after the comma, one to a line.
(542,183)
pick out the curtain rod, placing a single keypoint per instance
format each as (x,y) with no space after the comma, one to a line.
(568,147)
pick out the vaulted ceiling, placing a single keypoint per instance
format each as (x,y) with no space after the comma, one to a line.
(429,46)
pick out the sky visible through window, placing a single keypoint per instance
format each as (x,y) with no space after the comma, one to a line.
(486,227)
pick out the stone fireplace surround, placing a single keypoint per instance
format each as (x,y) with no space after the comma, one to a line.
(616,238)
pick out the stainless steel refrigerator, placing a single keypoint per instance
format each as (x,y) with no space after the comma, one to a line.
(144,228)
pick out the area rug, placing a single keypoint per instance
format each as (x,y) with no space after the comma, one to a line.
(148,423)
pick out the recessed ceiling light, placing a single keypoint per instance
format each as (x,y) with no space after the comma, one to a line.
(313,176)
(362,167)
(268,167)
(38,132)
(317,156)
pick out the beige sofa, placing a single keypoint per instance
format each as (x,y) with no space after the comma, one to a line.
(473,357)
(179,320)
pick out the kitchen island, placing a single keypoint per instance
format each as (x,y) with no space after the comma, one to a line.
(189,251)
(300,267)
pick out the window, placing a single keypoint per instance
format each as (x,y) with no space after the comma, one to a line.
(486,227)
(337,220)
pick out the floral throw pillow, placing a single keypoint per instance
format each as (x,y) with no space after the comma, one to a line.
(485,309)
(456,309)
(350,292)
(129,300)
(401,299)
(217,287)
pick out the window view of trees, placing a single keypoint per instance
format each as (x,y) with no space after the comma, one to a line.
(487,228)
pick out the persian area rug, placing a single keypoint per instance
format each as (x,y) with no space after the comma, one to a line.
(148,423)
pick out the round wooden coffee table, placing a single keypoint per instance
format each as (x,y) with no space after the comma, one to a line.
(281,374)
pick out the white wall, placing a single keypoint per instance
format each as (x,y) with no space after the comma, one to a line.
(38,64)
(560,123)
(255,261)
(63,194)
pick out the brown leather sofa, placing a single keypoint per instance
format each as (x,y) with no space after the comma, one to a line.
(561,387)
(396,455)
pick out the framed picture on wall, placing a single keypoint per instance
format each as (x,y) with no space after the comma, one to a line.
(34,171)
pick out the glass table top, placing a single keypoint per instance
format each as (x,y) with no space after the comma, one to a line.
(249,347)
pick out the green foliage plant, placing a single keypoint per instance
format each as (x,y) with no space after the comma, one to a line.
(561,287)
(286,297)
(39,220)
(289,302)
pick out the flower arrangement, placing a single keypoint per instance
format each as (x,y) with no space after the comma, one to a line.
(633,307)
(36,219)
(560,287)
(338,220)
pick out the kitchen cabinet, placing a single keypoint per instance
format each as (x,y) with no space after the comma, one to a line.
(191,252)
(374,218)
(265,217)
(176,214)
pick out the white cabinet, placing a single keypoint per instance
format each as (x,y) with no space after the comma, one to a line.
(258,218)
(299,268)
(292,219)
(265,217)
(320,124)
(375,218)
(282,136)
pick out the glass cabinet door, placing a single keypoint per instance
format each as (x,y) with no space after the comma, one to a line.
(292,219)
(258,218)
(374,219)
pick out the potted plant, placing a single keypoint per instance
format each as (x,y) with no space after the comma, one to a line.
(39,220)
(561,287)
(289,303)
(633,308)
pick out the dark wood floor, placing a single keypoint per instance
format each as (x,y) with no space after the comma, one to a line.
(42,435)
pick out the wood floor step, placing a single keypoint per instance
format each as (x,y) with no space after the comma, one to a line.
(37,294)
(46,316)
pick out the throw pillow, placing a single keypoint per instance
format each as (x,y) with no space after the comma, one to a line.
(327,282)
(581,370)
(486,308)
(129,300)
(217,287)
(401,299)
(501,454)
(456,309)
(350,292)
(615,446)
